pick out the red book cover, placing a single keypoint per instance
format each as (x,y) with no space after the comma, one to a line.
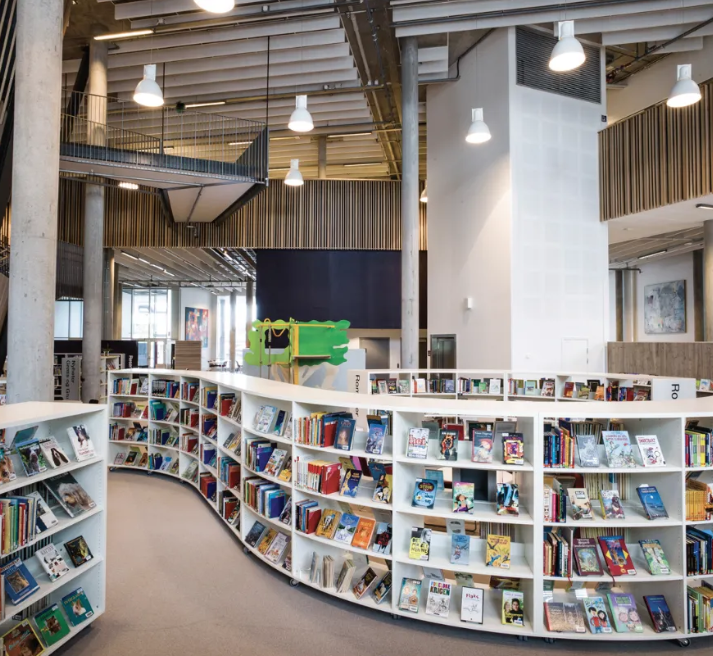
(616,555)
(313,517)
(234,476)
(329,432)
(330,478)
(225,406)
(458,428)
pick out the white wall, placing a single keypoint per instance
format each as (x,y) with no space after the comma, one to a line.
(679,267)
(654,84)
(469,210)
(200,298)
(611,335)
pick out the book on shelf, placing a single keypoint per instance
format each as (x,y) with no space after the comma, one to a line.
(52,562)
(382,387)
(507,499)
(586,557)
(19,582)
(77,606)
(699,548)
(52,624)
(382,490)
(482,445)
(417,446)
(655,557)
(624,612)
(581,506)
(471,605)
(328,523)
(44,517)
(265,418)
(513,449)
(699,498)
(555,500)
(31,456)
(346,528)
(558,447)
(364,532)
(650,450)
(21,640)
(660,613)
(424,493)
(410,595)
(595,611)
(447,444)
(254,533)
(513,608)
(558,552)
(317,475)
(698,446)
(700,615)
(497,551)
(651,502)
(345,576)
(277,548)
(382,539)
(382,588)
(70,494)
(588,448)
(7,469)
(460,549)
(53,452)
(438,602)
(276,462)
(266,540)
(375,438)
(364,583)
(618,449)
(463,497)
(350,483)
(345,433)
(564,617)
(612,507)
(616,555)
(420,543)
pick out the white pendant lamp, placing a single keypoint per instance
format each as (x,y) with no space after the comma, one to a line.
(294,177)
(301,119)
(216,6)
(568,54)
(685,92)
(148,93)
(424,194)
(478,131)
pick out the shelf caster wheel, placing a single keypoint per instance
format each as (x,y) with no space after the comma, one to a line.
(111,469)
(294,583)
(522,638)
(394,616)
(549,641)
(246,550)
(683,642)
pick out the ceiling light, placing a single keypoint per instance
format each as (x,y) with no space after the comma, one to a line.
(168,273)
(122,35)
(133,257)
(644,257)
(685,92)
(216,6)
(141,259)
(148,93)
(478,131)
(424,194)
(362,164)
(294,177)
(128,185)
(239,143)
(349,134)
(206,104)
(704,206)
(568,53)
(301,119)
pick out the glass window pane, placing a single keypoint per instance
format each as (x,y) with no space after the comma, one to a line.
(61,320)
(140,315)
(126,300)
(76,319)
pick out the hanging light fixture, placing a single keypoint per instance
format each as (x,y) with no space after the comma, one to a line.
(294,177)
(568,53)
(685,92)
(216,6)
(424,194)
(301,119)
(148,93)
(478,131)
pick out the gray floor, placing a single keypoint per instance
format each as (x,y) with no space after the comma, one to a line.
(179,583)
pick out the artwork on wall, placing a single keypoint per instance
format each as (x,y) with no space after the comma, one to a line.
(197,326)
(665,308)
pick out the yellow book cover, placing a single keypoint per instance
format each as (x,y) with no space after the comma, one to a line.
(266,541)
(498,551)
(328,524)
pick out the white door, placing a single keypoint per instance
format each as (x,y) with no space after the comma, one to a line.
(575,355)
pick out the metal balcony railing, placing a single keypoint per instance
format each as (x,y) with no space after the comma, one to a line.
(165,139)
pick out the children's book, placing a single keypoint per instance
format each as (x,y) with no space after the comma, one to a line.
(596,613)
(417,446)
(410,595)
(420,544)
(463,497)
(364,532)
(45,517)
(7,469)
(616,555)
(53,452)
(438,602)
(460,549)
(21,640)
(382,589)
(19,583)
(624,612)
(611,504)
(436,475)
(77,606)
(424,493)
(448,444)
(52,625)
(579,499)
(588,448)
(382,539)
(498,551)
(254,534)
(345,433)
(328,523)
(513,449)
(660,613)
(52,562)
(78,551)
(382,490)
(350,484)
(482,445)
(375,439)
(33,460)
(363,585)
(650,449)
(508,499)
(70,494)
(81,442)
(651,501)
(513,608)
(586,557)
(655,557)
(471,605)
(346,528)
(618,449)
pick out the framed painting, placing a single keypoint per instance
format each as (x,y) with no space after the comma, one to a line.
(665,308)
(197,326)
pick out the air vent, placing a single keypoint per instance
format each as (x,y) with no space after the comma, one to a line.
(533,56)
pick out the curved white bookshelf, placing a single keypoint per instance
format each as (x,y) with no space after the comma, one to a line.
(666,419)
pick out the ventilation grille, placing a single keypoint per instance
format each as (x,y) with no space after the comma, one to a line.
(533,56)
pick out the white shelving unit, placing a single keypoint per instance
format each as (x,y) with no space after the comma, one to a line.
(54,419)
(666,419)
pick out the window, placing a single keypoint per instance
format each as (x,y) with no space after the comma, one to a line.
(68,319)
(146,314)
(223,348)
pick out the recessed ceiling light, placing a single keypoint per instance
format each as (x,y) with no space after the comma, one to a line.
(644,257)
(133,257)
(205,104)
(704,206)
(239,143)
(128,185)
(349,134)
(122,35)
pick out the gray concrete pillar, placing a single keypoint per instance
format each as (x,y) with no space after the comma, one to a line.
(94,229)
(233,331)
(629,304)
(409,203)
(249,300)
(707,280)
(322,157)
(35,189)
(108,293)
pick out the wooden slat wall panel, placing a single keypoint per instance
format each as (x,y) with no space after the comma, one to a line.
(678,359)
(657,157)
(323,214)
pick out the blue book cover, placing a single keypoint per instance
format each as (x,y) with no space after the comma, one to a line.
(262,457)
(460,549)
(346,528)
(19,583)
(651,501)
(350,484)
(345,434)
(276,504)
(660,613)
(436,475)
(77,606)
(424,493)
(375,440)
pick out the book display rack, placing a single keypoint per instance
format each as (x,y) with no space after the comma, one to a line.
(53,531)
(553,520)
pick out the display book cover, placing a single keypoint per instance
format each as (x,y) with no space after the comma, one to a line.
(254,534)
(44,516)
(448,444)
(52,562)
(81,442)
(616,555)
(52,624)
(460,549)
(417,446)
(596,613)
(77,606)
(375,437)
(513,608)
(350,484)
(564,617)
(507,500)
(612,507)
(624,612)
(586,557)
(382,539)
(513,449)
(463,497)
(650,450)
(364,583)
(19,583)
(420,544)
(329,427)
(346,528)
(618,449)
(438,602)
(482,442)
(21,640)
(328,523)
(651,501)
(28,448)
(497,552)
(424,493)
(410,595)
(345,433)
(383,587)
(363,533)
(660,613)
(655,557)
(471,605)
(588,448)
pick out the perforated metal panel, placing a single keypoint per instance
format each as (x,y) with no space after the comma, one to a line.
(533,56)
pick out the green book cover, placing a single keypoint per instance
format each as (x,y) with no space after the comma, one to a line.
(655,557)
(52,624)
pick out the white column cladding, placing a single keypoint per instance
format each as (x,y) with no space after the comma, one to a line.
(514,222)
(108,293)
(35,190)
(94,228)
(409,204)
(118,303)
(628,315)
(707,280)
(233,331)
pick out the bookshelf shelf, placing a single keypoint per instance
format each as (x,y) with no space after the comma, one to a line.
(666,420)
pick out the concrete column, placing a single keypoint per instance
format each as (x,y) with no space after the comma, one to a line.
(233,331)
(249,300)
(118,304)
(629,304)
(108,293)
(35,188)
(409,203)
(322,157)
(707,280)
(94,229)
